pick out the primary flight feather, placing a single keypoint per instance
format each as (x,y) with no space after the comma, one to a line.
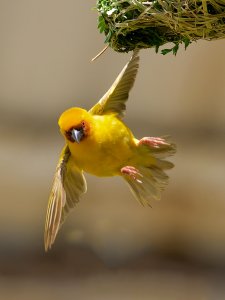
(99,143)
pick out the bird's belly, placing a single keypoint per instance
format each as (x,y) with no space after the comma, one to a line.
(102,168)
(103,160)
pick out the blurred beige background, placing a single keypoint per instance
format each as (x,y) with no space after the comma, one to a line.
(110,246)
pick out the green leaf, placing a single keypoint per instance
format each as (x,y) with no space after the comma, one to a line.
(166,51)
(108,37)
(175,49)
(187,42)
(101,24)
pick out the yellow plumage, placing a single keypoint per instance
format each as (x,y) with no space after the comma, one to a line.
(108,146)
(99,143)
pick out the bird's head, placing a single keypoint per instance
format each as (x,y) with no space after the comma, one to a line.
(75,124)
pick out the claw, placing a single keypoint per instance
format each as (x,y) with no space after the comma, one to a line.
(154,142)
(132,172)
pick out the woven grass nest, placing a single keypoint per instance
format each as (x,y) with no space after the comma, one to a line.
(130,24)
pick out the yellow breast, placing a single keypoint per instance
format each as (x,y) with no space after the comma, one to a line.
(108,147)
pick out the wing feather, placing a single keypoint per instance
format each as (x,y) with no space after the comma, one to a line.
(68,184)
(114,100)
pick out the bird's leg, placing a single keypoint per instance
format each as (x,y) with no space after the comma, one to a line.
(132,172)
(155,142)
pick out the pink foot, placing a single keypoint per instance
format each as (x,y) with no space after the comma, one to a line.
(154,142)
(132,172)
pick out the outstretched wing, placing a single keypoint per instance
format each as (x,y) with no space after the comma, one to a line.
(114,100)
(68,184)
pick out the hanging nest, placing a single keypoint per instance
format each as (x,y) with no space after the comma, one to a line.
(130,24)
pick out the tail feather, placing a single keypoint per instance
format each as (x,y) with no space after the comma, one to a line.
(164,164)
(148,185)
(151,179)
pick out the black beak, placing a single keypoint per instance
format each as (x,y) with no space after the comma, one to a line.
(77,135)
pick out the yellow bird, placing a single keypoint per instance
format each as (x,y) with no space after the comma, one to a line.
(99,143)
